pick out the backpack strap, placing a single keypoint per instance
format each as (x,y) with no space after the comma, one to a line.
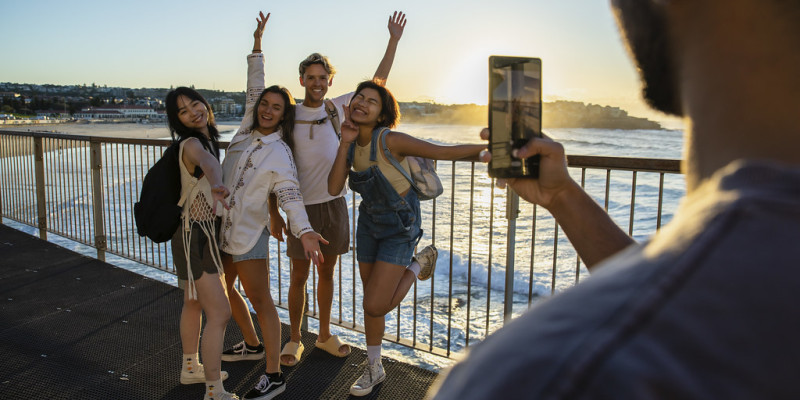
(332,116)
(392,160)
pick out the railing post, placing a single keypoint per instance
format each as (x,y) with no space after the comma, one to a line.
(41,211)
(512,211)
(97,200)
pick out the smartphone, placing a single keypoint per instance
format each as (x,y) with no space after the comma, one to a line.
(515,114)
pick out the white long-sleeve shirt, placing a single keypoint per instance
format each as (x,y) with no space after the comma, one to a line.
(254,167)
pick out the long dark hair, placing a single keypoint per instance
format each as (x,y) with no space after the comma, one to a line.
(390,111)
(179,131)
(287,121)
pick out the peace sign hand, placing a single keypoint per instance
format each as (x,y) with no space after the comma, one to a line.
(261,22)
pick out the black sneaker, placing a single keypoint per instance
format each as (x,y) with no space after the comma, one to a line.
(267,388)
(243,351)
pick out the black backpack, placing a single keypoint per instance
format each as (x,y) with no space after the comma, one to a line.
(157,212)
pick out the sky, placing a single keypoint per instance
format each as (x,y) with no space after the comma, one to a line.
(442,56)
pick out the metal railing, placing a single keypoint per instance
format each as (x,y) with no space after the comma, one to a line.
(497,256)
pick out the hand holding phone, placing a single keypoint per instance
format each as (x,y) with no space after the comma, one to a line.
(515,114)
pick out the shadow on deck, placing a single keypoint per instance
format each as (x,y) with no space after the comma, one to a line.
(73,327)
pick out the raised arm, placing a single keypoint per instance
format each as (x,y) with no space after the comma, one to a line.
(397,22)
(255,72)
(591,230)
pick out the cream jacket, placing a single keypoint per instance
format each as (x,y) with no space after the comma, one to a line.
(264,166)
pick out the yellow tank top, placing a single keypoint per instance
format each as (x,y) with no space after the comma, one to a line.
(361,162)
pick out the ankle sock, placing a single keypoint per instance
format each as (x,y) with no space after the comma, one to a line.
(414,267)
(214,387)
(190,362)
(373,353)
(252,347)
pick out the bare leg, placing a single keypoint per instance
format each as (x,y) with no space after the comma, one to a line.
(385,287)
(297,296)
(254,275)
(239,309)
(191,321)
(325,295)
(211,295)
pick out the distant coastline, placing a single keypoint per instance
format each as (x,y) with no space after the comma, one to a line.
(558,114)
(93,102)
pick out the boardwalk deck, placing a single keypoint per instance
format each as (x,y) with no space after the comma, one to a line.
(73,327)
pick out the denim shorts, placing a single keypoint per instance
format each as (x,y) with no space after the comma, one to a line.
(390,238)
(259,252)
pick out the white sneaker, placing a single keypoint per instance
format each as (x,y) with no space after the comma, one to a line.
(221,395)
(198,375)
(427,261)
(373,375)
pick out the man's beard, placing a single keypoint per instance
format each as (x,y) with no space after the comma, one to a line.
(645,30)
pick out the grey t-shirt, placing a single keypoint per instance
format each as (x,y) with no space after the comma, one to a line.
(705,310)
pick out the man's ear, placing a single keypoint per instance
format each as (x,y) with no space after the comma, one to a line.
(302,82)
(330,82)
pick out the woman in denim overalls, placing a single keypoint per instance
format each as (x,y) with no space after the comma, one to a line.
(389,216)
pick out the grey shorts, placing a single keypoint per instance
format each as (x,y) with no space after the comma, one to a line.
(199,253)
(329,219)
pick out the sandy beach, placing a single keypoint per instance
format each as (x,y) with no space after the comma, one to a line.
(15,146)
(115,130)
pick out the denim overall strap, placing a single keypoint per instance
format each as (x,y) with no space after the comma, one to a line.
(375,133)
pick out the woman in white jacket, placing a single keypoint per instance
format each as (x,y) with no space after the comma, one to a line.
(259,165)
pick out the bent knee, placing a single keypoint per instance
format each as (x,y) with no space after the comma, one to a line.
(375,309)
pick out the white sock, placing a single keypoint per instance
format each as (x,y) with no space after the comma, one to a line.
(414,267)
(190,362)
(373,353)
(214,387)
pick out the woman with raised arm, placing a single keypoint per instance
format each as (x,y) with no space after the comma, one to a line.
(194,244)
(259,165)
(389,215)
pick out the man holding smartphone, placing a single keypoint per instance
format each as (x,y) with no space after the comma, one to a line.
(707,307)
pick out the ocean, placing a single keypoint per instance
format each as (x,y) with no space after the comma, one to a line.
(464,270)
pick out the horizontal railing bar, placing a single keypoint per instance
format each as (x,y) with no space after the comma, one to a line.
(625,163)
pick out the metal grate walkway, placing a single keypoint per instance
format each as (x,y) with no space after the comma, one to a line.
(73,327)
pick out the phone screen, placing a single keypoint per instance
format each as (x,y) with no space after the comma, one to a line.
(515,113)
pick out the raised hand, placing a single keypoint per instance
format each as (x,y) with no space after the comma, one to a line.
(397,22)
(261,21)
